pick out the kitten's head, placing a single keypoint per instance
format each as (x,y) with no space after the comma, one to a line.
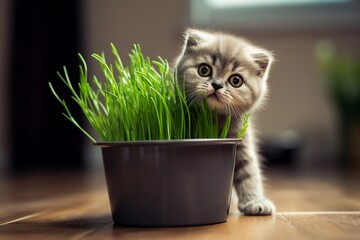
(228,71)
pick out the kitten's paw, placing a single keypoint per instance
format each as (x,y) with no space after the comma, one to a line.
(261,207)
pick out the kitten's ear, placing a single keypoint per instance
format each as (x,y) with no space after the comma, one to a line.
(195,37)
(263,61)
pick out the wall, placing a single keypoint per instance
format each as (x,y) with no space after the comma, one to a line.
(156,26)
(4,60)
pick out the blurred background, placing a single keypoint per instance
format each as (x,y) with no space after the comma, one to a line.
(311,122)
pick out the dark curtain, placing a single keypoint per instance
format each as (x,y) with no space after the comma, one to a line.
(45,36)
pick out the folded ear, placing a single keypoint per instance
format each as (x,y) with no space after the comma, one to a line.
(263,60)
(195,37)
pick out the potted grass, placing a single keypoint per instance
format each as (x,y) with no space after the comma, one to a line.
(166,163)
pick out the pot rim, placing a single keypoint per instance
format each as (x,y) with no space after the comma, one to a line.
(199,141)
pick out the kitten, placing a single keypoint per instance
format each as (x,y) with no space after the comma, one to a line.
(231,73)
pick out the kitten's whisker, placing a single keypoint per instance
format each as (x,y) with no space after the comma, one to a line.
(242,110)
(239,110)
(192,101)
(192,93)
(191,97)
(228,109)
(236,111)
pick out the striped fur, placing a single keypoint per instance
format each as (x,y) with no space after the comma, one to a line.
(228,55)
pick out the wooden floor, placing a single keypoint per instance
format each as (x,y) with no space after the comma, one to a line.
(75,206)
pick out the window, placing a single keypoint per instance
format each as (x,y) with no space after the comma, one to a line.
(262,14)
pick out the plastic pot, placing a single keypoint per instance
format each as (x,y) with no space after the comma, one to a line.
(169,183)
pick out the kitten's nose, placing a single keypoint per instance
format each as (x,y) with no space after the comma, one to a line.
(216,86)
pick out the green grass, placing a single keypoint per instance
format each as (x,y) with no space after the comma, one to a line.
(140,102)
(245,126)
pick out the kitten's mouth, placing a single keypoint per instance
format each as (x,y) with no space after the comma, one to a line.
(214,96)
(215,101)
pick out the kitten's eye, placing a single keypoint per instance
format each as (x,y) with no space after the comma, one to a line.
(236,80)
(204,70)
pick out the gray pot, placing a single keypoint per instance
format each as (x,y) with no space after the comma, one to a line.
(169,183)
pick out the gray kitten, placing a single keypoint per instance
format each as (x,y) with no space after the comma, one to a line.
(232,74)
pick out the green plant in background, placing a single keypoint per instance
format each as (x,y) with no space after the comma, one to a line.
(139,102)
(343,82)
(343,77)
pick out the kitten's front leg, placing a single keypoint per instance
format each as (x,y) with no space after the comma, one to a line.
(248,182)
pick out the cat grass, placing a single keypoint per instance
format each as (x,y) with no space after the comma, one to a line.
(142,101)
